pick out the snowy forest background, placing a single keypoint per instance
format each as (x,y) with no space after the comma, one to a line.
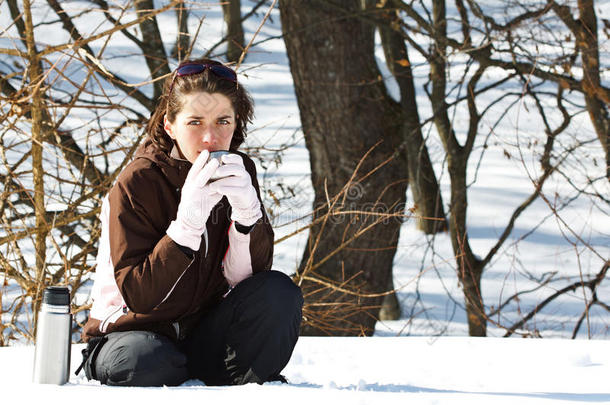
(431,167)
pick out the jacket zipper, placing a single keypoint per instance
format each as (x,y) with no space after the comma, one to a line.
(205,238)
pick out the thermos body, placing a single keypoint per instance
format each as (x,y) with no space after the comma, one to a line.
(52,355)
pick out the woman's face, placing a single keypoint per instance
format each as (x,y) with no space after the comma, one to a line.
(206,121)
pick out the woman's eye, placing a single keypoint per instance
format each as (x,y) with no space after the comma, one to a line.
(194,122)
(223,122)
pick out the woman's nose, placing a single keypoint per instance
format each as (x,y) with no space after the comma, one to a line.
(208,134)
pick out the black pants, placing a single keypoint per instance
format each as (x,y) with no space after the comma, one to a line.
(249,337)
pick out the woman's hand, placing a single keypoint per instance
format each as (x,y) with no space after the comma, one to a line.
(236,184)
(196,203)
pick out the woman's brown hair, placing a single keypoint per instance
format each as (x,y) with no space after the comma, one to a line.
(171,102)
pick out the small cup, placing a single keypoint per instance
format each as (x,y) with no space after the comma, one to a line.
(217,154)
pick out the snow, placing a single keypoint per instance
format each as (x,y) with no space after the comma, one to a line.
(407,361)
(377,370)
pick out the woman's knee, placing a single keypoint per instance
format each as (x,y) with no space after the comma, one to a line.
(280,287)
(140,358)
(279,295)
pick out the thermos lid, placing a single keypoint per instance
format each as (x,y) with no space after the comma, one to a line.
(56,296)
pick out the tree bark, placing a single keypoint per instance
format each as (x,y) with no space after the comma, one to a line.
(588,42)
(180,49)
(152,46)
(424,186)
(35,77)
(598,110)
(345,112)
(231,10)
(468,266)
(585,32)
(390,307)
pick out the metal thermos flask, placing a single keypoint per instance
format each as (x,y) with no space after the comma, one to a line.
(52,355)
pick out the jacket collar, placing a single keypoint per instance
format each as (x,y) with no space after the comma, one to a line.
(172,166)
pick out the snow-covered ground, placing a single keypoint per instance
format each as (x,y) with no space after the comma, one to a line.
(405,370)
(415,367)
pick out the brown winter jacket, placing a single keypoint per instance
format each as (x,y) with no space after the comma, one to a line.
(147,262)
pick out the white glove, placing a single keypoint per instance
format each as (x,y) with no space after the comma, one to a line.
(196,203)
(246,209)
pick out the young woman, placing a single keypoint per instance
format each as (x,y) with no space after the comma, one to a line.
(183,286)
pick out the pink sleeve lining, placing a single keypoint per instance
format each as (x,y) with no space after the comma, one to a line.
(237,263)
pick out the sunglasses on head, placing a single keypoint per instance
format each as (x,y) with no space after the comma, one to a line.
(194,68)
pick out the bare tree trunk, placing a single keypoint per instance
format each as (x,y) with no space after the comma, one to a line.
(390,307)
(424,186)
(469,268)
(152,46)
(35,76)
(345,112)
(585,32)
(589,45)
(235,33)
(180,49)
